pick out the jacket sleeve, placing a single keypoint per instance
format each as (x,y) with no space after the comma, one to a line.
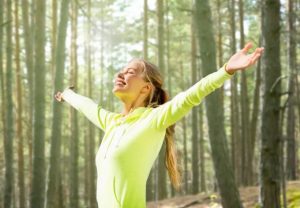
(94,112)
(170,112)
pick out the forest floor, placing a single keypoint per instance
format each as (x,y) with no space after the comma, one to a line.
(249,197)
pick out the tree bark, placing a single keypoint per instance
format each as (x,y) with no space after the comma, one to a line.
(91,127)
(150,185)
(247,170)
(162,191)
(29,59)
(8,142)
(202,151)
(270,129)
(255,109)
(54,169)
(21,182)
(217,136)
(38,178)
(2,86)
(291,119)
(53,38)
(145,28)
(195,150)
(74,137)
(234,105)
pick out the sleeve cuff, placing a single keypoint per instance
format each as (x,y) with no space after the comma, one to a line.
(226,73)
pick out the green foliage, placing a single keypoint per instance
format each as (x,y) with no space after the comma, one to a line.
(293,198)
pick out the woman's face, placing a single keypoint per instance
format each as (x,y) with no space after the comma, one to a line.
(129,83)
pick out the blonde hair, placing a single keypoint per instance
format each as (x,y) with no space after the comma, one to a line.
(159,96)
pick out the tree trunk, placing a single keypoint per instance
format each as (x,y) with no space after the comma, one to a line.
(53,37)
(185,139)
(145,27)
(8,142)
(150,195)
(21,183)
(162,191)
(195,150)
(38,177)
(255,109)
(2,84)
(91,152)
(220,44)
(28,43)
(202,151)
(220,36)
(223,169)
(291,123)
(185,157)
(247,170)
(54,169)
(74,137)
(234,107)
(269,168)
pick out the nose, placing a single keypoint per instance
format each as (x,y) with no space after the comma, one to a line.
(120,75)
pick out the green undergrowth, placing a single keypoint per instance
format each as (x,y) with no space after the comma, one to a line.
(293,198)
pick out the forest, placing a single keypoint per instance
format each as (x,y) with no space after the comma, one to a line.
(238,148)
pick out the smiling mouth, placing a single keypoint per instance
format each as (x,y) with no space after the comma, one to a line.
(120,82)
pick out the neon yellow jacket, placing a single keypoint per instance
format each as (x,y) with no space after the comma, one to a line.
(131,144)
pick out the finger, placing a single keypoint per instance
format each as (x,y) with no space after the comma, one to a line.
(247,47)
(252,55)
(262,49)
(255,58)
(57,98)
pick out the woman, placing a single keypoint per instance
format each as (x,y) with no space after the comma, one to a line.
(133,138)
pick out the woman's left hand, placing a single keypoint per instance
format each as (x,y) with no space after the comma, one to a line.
(242,60)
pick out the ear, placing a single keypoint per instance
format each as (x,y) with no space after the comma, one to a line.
(147,88)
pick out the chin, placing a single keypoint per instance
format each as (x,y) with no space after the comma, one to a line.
(118,92)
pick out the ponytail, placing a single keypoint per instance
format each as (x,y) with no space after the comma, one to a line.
(158,98)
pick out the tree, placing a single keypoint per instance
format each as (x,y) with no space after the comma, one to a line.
(234,104)
(291,119)
(54,169)
(195,149)
(21,183)
(8,142)
(270,136)
(150,181)
(29,59)
(91,127)
(246,140)
(217,136)
(2,84)
(38,178)
(74,137)
(162,190)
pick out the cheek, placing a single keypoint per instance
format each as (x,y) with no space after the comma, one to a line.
(134,82)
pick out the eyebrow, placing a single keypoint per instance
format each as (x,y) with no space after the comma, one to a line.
(129,69)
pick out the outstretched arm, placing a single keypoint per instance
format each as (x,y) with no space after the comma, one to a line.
(85,105)
(170,112)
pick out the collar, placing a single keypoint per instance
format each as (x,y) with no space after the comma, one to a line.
(137,112)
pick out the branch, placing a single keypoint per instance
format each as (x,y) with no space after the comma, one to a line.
(276,82)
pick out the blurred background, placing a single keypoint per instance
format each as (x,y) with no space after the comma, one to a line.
(239,148)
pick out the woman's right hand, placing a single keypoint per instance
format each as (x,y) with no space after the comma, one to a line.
(58,97)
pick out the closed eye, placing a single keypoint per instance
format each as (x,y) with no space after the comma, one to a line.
(129,71)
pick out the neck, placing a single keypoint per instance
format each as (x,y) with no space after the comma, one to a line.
(130,106)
